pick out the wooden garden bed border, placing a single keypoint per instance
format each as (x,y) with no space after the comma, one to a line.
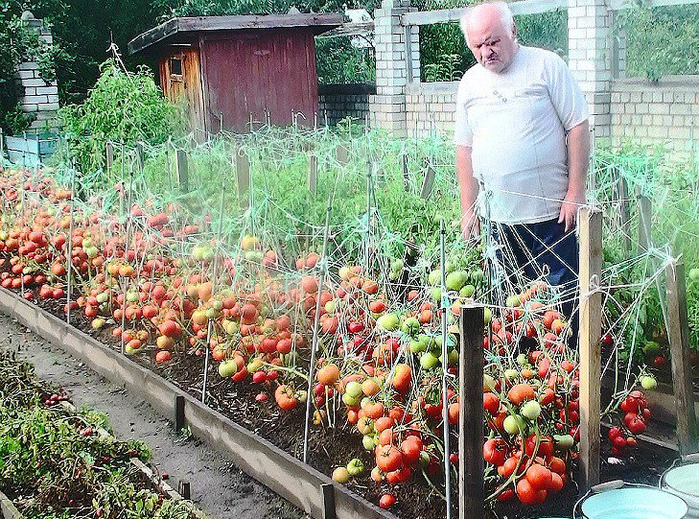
(300,484)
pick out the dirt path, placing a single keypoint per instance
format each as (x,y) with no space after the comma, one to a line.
(219,488)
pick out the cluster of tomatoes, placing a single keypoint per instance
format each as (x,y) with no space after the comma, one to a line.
(635,414)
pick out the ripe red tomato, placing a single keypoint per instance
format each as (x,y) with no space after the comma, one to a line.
(388,458)
(387,501)
(495,451)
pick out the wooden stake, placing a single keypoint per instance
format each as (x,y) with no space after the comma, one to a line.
(342,154)
(471,492)
(109,154)
(327,493)
(312,178)
(182,168)
(242,170)
(427,183)
(678,335)
(644,222)
(590,348)
(625,214)
(405,170)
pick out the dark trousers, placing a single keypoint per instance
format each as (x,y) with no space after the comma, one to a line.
(543,247)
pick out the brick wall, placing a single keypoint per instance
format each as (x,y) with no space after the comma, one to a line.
(37,96)
(430,108)
(335,102)
(666,112)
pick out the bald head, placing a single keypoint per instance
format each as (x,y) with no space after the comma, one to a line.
(491,34)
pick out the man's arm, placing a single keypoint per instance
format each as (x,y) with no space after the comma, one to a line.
(578,162)
(469,192)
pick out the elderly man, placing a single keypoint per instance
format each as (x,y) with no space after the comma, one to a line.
(521,133)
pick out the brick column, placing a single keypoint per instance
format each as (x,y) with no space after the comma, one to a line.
(37,96)
(590,57)
(387,107)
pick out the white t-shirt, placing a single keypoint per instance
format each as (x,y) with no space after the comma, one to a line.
(516,122)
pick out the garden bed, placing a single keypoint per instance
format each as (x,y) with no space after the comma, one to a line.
(232,402)
(58,460)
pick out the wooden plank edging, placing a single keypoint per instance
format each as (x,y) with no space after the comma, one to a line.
(7,508)
(287,476)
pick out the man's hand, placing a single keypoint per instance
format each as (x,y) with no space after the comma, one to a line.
(569,210)
(470,226)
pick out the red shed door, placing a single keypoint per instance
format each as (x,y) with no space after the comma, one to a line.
(251,73)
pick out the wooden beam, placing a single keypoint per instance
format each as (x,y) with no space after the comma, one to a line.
(625,213)
(590,349)
(471,491)
(327,495)
(405,170)
(678,336)
(454,15)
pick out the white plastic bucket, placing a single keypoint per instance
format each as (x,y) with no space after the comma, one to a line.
(683,481)
(634,503)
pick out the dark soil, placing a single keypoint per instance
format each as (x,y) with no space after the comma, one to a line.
(332,447)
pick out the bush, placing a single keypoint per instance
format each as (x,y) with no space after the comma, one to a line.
(123,108)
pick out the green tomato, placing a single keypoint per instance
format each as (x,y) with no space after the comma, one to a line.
(455,281)
(410,326)
(397,265)
(416,347)
(368,442)
(522,359)
(694,274)
(388,322)
(354,390)
(511,374)
(428,360)
(467,291)
(487,315)
(648,382)
(563,441)
(227,368)
(510,425)
(434,277)
(531,410)
(437,294)
(355,467)
(453,357)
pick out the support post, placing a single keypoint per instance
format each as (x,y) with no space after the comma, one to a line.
(179,412)
(644,222)
(182,168)
(242,170)
(678,335)
(590,349)
(471,491)
(327,493)
(312,177)
(185,490)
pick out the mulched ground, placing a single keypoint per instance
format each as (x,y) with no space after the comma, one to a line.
(332,447)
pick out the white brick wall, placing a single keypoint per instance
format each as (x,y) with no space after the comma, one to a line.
(36,95)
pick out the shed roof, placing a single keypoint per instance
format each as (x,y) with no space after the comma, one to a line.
(175,26)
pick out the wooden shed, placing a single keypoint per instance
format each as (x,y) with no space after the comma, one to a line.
(231,70)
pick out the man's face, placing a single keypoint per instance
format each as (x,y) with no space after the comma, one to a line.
(492,44)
